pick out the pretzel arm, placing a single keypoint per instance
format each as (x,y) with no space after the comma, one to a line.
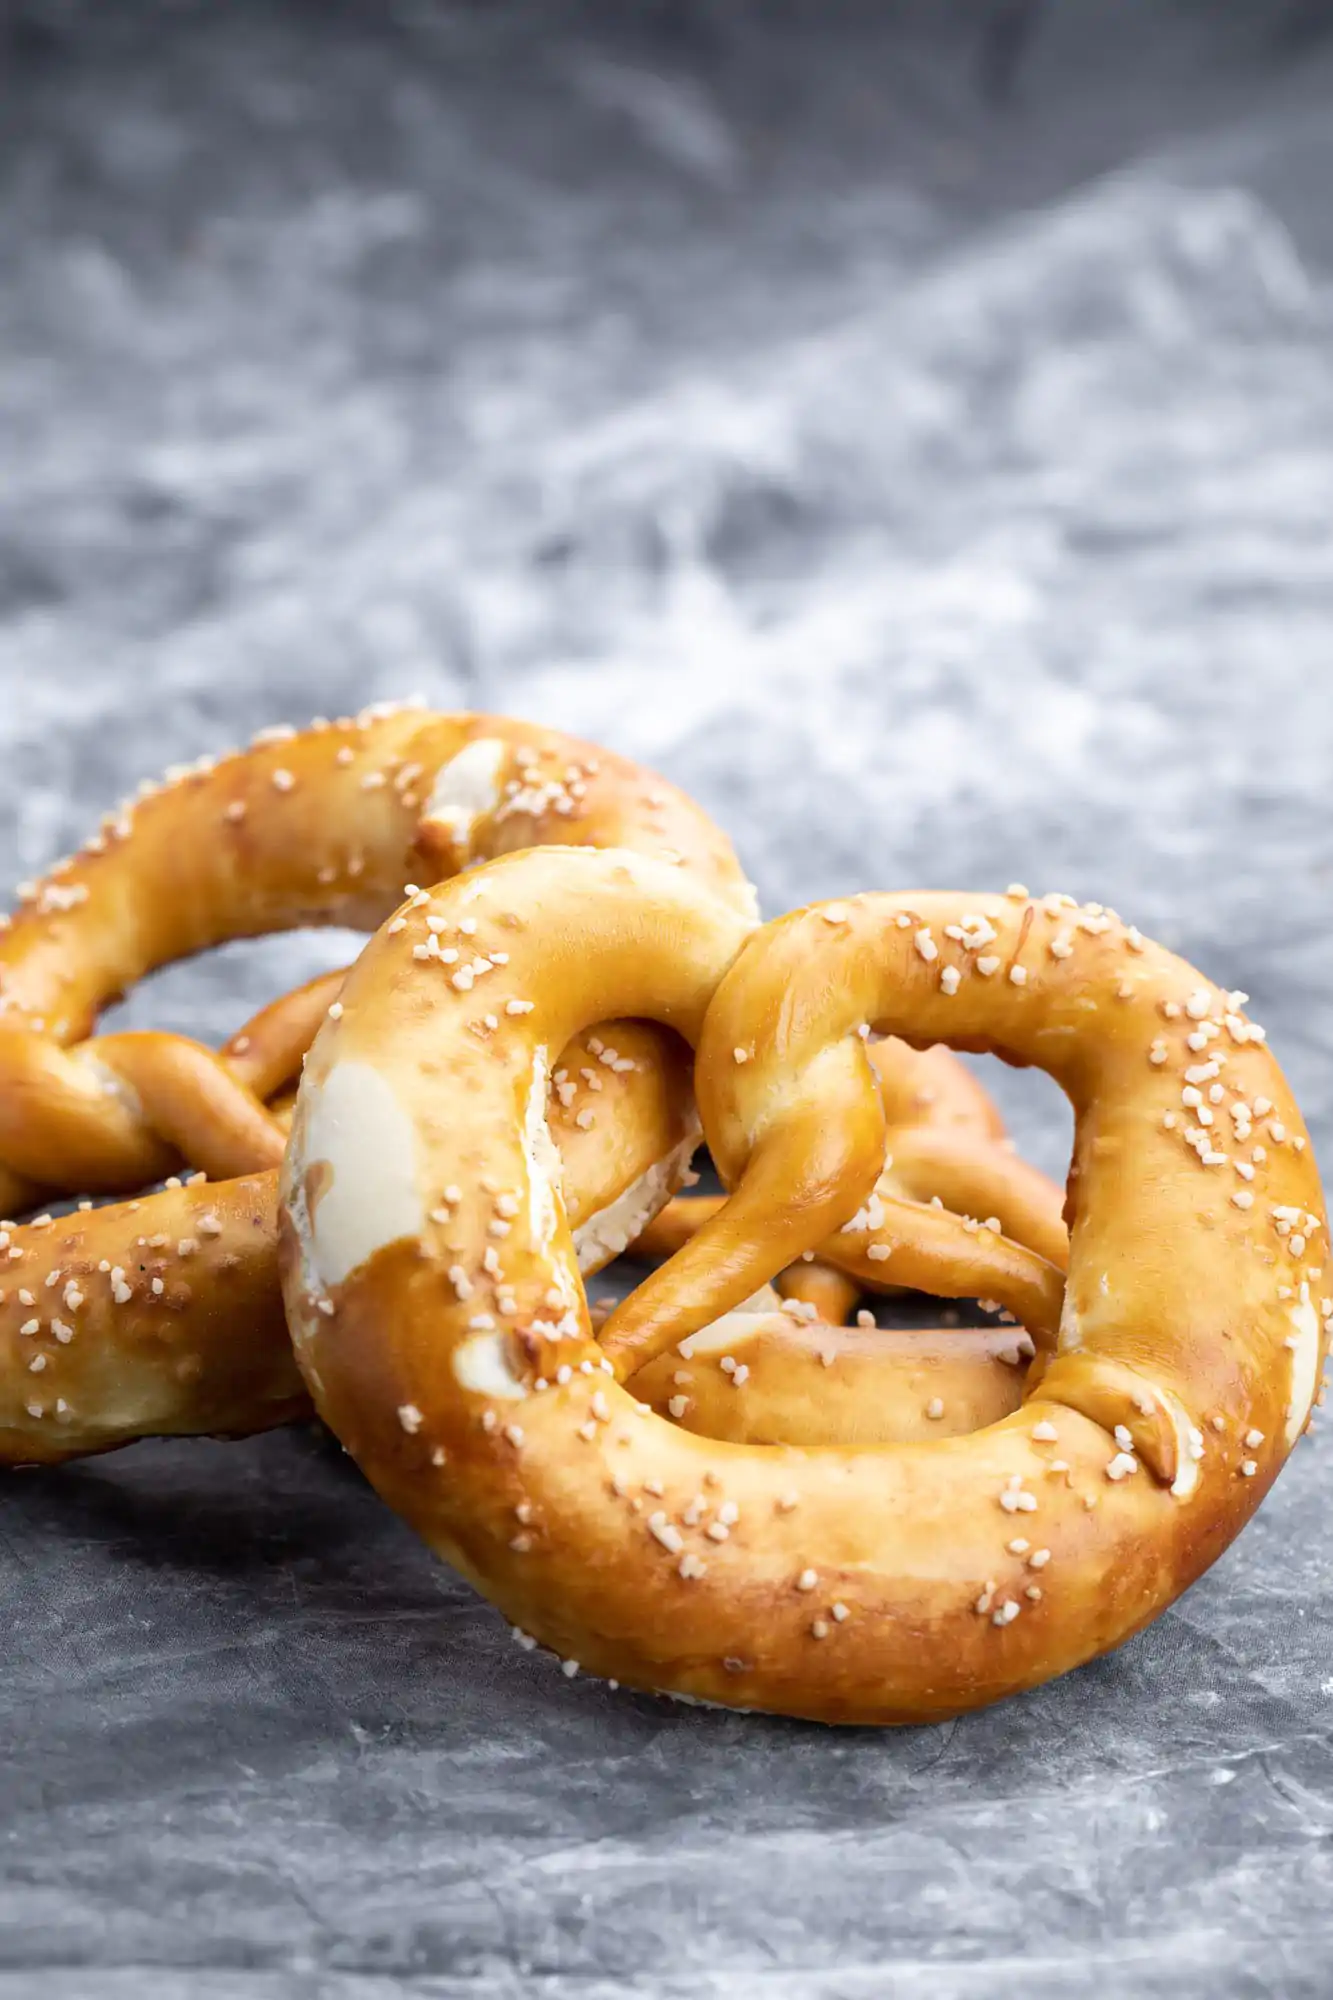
(266,1053)
(185,1335)
(925,1249)
(764,1378)
(830,1294)
(190,1095)
(67,1119)
(978,1178)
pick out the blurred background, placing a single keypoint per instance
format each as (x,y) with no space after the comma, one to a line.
(909,426)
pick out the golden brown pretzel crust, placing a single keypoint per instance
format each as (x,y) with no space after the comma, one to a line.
(320,827)
(859,1585)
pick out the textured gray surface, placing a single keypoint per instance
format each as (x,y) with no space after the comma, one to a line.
(920,443)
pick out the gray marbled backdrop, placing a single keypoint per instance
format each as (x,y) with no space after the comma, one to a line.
(914,432)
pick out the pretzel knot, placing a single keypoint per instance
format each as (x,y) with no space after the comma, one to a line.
(120,1111)
(954,1212)
(846,1583)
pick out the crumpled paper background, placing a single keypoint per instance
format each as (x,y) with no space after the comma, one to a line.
(912,429)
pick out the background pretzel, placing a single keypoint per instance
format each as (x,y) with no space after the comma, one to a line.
(867,1585)
(301,829)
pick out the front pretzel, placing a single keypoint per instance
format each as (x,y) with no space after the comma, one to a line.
(894,1584)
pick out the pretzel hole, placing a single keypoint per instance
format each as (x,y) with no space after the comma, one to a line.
(1038,1117)
(210,995)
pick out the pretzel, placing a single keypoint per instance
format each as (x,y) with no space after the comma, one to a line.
(883,1584)
(947,1150)
(301,829)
